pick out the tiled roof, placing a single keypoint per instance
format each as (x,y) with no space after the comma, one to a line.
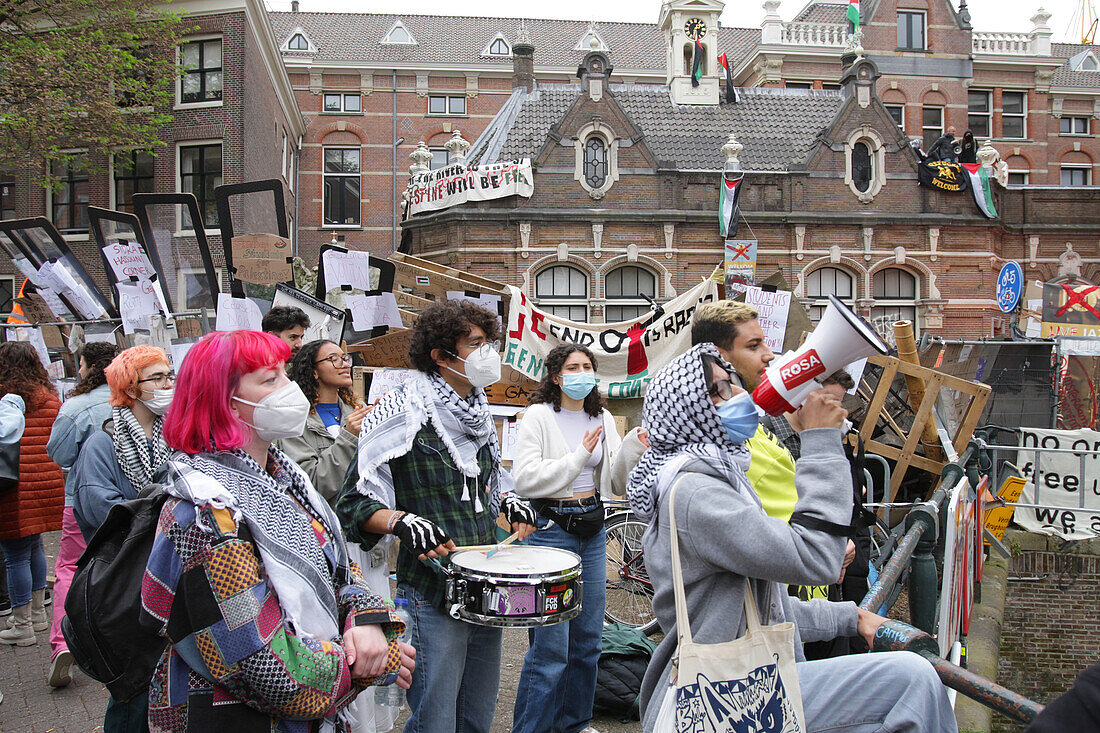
(357,37)
(1064,76)
(823,12)
(777,126)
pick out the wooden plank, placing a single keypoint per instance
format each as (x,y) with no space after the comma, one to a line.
(391,350)
(878,399)
(483,284)
(924,414)
(971,417)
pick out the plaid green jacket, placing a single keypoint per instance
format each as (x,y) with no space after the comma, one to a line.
(426,482)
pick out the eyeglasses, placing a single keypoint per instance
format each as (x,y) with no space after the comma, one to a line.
(722,389)
(337,360)
(483,348)
(159,380)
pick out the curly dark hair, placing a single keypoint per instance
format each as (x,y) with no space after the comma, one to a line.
(97,356)
(22,373)
(549,391)
(302,370)
(441,325)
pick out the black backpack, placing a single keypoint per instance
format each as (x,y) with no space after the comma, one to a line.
(103,624)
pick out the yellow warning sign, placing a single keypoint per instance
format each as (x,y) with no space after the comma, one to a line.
(997,519)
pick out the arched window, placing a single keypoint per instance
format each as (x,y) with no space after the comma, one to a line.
(861,166)
(499,47)
(625,288)
(298,42)
(895,294)
(822,283)
(562,291)
(595,161)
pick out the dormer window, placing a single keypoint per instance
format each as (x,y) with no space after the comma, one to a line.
(864,163)
(595,161)
(585,43)
(1084,61)
(299,41)
(399,35)
(497,47)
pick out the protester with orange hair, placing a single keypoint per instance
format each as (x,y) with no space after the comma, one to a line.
(115,466)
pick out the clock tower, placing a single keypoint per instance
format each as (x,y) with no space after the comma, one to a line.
(687,24)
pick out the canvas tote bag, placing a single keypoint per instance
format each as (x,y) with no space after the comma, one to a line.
(748,685)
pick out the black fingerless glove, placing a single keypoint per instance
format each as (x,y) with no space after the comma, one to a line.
(518,511)
(418,534)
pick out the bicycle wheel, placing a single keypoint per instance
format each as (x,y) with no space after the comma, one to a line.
(629,590)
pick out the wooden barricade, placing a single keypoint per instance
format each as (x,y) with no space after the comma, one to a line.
(906,456)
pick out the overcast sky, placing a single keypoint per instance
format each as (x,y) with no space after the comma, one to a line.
(987,15)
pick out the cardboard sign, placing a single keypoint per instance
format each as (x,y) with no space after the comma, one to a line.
(35,309)
(128,261)
(997,518)
(261,259)
(351,268)
(237,314)
(772,309)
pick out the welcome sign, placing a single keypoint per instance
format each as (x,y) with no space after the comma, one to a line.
(628,353)
(457,184)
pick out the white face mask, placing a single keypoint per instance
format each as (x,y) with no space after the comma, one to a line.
(281,414)
(159,402)
(482,367)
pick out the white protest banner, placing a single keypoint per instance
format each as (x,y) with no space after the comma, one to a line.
(78,293)
(772,309)
(237,314)
(28,271)
(457,184)
(369,311)
(629,353)
(135,304)
(1062,478)
(350,268)
(386,380)
(128,260)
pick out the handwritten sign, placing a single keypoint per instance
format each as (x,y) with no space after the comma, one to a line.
(237,314)
(383,381)
(260,259)
(369,311)
(58,279)
(135,304)
(33,336)
(128,261)
(488,301)
(350,268)
(509,435)
(772,309)
(997,518)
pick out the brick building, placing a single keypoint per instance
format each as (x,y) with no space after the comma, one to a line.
(234,120)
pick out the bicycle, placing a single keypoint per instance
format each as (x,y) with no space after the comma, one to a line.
(629,589)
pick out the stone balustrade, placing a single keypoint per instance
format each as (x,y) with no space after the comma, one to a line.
(1019,44)
(814,34)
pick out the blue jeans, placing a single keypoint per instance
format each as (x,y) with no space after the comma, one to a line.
(558,682)
(26,564)
(454,686)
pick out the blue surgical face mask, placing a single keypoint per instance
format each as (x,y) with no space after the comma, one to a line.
(739,417)
(578,384)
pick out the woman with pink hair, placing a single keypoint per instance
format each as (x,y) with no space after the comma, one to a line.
(269,626)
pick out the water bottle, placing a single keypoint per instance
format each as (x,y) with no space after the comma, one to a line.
(392,696)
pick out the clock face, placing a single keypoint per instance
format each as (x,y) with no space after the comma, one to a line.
(695,28)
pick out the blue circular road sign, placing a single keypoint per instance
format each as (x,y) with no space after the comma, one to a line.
(1010,283)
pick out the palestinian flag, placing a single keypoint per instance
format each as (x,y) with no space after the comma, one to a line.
(727,204)
(853,12)
(697,63)
(731,91)
(982,188)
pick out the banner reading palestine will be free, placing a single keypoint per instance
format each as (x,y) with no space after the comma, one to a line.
(457,184)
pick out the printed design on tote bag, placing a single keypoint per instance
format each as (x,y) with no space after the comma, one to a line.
(756,704)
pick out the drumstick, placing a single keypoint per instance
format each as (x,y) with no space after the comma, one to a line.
(501,545)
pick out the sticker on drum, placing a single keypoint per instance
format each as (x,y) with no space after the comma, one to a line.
(514,601)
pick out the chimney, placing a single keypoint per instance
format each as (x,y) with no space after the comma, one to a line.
(523,60)
(294,6)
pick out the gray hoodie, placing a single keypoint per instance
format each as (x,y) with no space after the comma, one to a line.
(725,536)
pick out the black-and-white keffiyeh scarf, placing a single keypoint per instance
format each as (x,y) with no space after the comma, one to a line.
(463,424)
(132,449)
(683,426)
(293,561)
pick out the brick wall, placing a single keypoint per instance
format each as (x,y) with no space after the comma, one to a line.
(1048,634)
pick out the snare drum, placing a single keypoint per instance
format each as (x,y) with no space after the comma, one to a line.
(519,586)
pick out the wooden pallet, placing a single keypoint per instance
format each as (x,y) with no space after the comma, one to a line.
(906,456)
